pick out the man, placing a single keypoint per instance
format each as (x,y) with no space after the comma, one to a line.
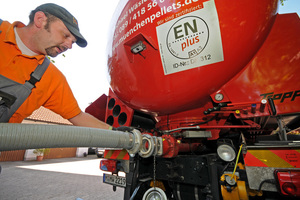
(51,31)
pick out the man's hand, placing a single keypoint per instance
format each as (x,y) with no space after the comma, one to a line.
(87,120)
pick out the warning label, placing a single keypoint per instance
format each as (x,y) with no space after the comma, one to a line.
(190,40)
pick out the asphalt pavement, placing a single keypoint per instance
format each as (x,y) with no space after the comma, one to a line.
(56,179)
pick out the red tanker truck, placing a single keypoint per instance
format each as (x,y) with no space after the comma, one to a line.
(216,84)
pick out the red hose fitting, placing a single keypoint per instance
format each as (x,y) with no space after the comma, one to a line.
(172,146)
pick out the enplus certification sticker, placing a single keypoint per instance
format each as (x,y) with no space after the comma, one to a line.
(191,40)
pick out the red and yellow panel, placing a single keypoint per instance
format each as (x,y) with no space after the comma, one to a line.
(277,158)
(116,154)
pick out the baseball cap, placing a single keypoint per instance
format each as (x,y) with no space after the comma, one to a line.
(67,18)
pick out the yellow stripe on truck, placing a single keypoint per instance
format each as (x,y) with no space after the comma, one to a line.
(270,159)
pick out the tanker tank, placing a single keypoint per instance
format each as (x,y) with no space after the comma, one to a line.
(166,57)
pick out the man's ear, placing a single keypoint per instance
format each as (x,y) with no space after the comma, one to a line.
(40,19)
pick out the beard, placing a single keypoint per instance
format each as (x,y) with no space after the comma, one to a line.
(53,52)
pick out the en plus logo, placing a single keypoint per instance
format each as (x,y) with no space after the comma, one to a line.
(187,37)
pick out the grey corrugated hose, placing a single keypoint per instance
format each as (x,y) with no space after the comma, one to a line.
(29,136)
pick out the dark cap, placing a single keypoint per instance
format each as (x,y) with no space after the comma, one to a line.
(67,18)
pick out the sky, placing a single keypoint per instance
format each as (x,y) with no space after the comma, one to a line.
(85,68)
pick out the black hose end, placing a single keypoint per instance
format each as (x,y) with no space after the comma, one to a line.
(216,108)
(222,105)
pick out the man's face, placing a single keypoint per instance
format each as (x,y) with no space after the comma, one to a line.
(58,38)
